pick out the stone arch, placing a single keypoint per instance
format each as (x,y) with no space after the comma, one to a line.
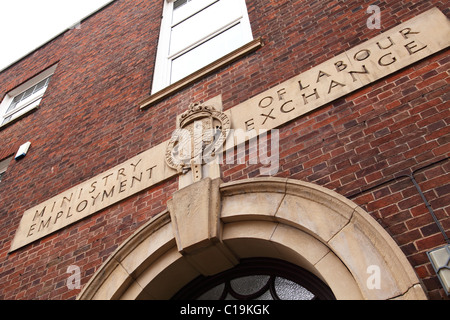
(209,226)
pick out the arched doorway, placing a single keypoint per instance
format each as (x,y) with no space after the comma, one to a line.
(211,227)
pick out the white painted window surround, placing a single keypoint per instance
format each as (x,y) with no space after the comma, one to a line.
(195,33)
(3,166)
(25,97)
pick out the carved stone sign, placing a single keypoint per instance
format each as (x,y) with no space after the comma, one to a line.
(116,184)
(372,60)
(397,48)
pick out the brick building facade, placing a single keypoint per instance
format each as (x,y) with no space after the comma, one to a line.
(369,145)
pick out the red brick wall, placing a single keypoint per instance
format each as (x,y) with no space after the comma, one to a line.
(361,145)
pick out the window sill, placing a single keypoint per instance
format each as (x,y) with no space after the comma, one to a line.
(171,89)
(14,120)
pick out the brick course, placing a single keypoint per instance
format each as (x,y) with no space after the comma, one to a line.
(361,145)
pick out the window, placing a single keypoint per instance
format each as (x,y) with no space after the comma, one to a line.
(195,33)
(258,279)
(25,97)
(3,166)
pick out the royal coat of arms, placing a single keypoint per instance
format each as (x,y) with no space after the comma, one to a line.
(198,139)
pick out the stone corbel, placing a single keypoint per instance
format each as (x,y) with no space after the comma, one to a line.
(195,214)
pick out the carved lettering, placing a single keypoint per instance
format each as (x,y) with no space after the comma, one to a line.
(265,102)
(122,187)
(249,125)
(135,165)
(150,170)
(120,173)
(405,32)
(282,109)
(58,215)
(267,116)
(43,225)
(133,178)
(93,186)
(30,232)
(301,86)
(82,205)
(94,198)
(108,194)
(281,93)
(87,198)
(362,55)
(37,214)
(340,66)
(106,178)
(382,61)
(410,47)
(321,74)
(364,71)
(66,199)
(68,215)
(391,43)
(334,84)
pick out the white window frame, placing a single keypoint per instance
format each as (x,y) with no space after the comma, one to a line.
(27,104)
(162,74)
(4,166)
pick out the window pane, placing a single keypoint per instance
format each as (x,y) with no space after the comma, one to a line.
(208,52)
(41,85)
(203,24)
(28,93)
(17,98)
(214,293)
(183,9)
(195,33)
(179,3)
(248,285)
(15,101)
(288,290)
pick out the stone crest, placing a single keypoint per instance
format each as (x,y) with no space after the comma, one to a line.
(200,135)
